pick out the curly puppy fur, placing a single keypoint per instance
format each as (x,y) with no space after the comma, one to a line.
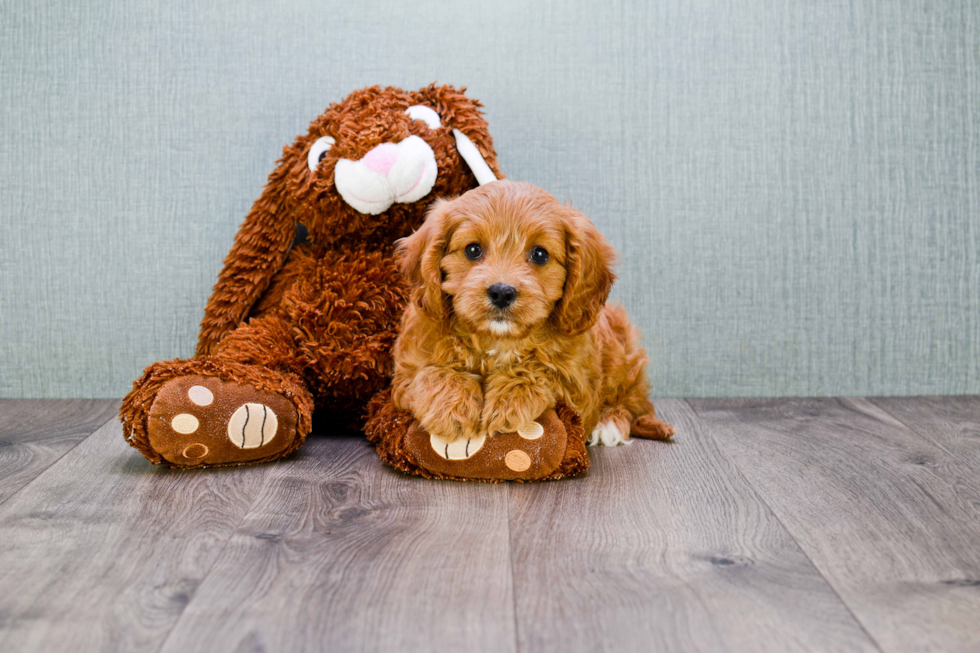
(316,320)
(464,365)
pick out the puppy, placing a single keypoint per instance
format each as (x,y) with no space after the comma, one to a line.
(508,314)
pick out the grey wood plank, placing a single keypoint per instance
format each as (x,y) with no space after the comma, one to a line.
(103,550)
(34,433)
(889,518)
(665,547)
(950,423)
(342,554)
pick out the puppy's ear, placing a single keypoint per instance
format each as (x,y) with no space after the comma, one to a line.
(589,275)
(419,256)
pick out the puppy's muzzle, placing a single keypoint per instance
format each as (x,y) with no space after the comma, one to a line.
(501,295)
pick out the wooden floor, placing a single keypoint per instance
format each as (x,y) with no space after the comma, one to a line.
(769,525)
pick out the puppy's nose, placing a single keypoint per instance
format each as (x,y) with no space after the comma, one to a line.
(501,295)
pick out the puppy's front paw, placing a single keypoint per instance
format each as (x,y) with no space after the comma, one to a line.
(453,417)
(502,419)
(505,410)
(448,405)
(449,427)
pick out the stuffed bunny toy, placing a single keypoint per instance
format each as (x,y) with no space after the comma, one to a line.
(305,312)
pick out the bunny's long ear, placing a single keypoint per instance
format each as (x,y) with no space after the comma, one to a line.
(260,249)
(474,159)
(419,256)
(473,140)
(588,262)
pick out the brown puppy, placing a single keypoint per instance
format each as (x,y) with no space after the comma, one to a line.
(508,315)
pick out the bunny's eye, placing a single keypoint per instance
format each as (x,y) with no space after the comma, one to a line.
(473,251)
(318,151)
(426,115)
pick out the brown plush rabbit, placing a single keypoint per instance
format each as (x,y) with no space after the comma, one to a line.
(301,322)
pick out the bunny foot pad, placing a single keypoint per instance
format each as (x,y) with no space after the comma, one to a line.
(549,448)
(198,421)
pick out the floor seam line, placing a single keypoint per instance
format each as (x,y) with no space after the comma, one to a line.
(513,576)
(58,459)
(910,428)
(217,558)
(788,532)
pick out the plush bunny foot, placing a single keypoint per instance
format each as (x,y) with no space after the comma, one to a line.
(203,421)
(206,412)
(550,447)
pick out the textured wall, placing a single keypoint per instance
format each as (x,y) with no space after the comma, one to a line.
(793,184)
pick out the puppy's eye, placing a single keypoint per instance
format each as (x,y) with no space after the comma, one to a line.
(539,255)
(425,114)
(473,251)
(318,151)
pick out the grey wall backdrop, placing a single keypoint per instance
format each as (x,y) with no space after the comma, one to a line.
(793,184)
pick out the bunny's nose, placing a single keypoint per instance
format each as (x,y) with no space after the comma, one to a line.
(381,158)
(501,295)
